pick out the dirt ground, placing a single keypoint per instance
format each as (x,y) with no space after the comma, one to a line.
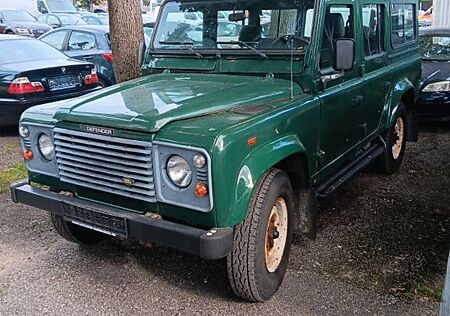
(381,249)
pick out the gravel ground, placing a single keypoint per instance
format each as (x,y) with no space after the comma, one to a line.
(381,250)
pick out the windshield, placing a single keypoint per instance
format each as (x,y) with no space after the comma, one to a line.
(17,15)
(71,20)
(252,26)
(61,6)
(435,47)
(19,51)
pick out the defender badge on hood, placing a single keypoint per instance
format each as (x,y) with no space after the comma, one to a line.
(98,130)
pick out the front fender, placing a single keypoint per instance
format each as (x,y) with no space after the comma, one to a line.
(254,166)
(399,90)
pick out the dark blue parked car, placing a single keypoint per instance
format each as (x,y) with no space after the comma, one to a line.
(86,42)
(434,98)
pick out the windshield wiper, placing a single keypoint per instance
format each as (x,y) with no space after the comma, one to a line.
(187,45)
(246,45)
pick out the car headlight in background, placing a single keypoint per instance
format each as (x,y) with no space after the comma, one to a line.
(437,87)
(23,31)
(46,146)
(179,171)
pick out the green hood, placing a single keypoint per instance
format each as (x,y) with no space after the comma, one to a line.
(149,103)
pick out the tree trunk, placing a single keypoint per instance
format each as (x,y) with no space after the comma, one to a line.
(127,37)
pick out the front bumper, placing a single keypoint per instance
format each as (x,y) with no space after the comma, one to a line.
(434,106)
(208,244)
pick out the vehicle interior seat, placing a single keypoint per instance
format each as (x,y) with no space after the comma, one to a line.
(250,33)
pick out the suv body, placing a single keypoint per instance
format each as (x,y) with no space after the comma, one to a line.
(223,146)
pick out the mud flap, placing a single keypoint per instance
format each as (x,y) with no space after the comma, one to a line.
(412,128)
(307,213)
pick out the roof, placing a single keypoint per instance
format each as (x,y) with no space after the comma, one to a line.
(432,30)
(91,28)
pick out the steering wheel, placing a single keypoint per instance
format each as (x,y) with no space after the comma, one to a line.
(288,38)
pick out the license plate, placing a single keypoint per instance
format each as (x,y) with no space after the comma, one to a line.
(64,82)
(95,220)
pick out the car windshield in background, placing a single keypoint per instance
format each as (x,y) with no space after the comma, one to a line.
(24,50)
(435,47)
(252,26)
(17,15)
(71,19)
(61,6)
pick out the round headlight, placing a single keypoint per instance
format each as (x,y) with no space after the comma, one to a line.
(199,161)
(179,171)
(24,131)
(46,147)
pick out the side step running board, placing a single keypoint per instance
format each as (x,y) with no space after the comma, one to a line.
(349,170)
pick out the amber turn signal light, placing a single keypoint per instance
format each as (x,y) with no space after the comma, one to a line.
(27,154)
(201,189)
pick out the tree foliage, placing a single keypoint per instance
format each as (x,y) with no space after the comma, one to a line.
(87,4)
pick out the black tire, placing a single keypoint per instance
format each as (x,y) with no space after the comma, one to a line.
(76,234)
(388,162)
(248,273)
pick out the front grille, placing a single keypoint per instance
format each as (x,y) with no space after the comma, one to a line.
(109,164)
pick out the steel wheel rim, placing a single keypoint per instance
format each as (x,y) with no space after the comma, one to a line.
(276,235)
(399,132)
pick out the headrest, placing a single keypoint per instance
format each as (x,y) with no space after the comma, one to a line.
(335,25)
(250,33)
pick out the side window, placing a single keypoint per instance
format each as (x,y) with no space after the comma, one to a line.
(373,29)
(403,22)
(81,41)
(339,23)
(55,39)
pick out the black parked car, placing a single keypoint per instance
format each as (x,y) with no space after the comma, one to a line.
(20,22)
(434,97)
(56,20)
(32,72)
(90,43)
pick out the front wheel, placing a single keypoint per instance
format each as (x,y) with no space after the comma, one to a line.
(257,264)
(391,159)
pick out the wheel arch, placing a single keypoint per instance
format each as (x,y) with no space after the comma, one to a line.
(405,92)
(283,153)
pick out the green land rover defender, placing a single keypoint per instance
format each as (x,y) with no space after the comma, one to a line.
(246,113)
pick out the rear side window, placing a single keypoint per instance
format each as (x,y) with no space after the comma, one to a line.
(373,29)
(55,39)
(81,41)
(403,24)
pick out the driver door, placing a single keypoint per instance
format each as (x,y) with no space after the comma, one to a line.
(340,93)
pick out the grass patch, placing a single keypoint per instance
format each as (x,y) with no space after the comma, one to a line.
(430,292)
(7,176)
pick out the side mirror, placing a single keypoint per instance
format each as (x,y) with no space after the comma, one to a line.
(344,57)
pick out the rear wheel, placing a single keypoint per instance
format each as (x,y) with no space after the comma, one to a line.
(74,233)
(391,159)
(257,264)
